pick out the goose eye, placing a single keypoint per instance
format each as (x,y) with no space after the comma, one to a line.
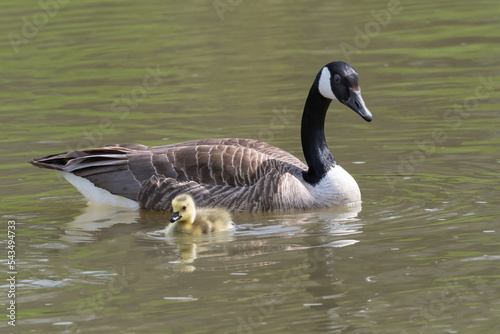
(336,78)
(184,208)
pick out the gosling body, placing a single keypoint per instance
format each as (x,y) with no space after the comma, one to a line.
(187,219)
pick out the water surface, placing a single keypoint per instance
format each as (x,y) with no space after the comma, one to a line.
(421,255)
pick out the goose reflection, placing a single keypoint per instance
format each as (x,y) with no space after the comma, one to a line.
(94,218)
(256,234)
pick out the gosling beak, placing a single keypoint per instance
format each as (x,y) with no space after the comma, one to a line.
(357,104)
(175,217)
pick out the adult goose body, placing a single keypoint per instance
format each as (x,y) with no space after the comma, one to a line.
(237,174)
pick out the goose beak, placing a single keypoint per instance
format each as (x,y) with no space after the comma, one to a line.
(175,217)
(357,104)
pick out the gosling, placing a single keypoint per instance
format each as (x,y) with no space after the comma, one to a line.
(188,220)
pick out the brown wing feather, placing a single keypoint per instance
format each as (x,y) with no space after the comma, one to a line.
(208,167)
(158,192)
(107,167)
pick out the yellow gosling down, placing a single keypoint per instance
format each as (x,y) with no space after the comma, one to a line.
(189,220)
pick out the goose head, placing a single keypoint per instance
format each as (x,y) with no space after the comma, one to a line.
(184,209)
(339,81)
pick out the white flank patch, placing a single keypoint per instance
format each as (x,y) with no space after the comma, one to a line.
(98,195)
(325,87)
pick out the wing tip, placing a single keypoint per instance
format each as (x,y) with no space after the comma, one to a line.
(56,162)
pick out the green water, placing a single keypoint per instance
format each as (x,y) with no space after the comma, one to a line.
(420,256)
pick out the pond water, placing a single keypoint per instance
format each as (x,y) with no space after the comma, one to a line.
(420,255)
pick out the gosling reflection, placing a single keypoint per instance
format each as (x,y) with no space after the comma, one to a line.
(188,223)
(191,248)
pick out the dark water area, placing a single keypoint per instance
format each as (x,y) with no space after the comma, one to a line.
(419,255)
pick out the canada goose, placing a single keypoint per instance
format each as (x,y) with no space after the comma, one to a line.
(188,220)
(238,174)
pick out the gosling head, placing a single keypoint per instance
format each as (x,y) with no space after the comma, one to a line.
(183,208)
(339,81)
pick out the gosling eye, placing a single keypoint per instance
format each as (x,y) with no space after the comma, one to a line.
(184,208)
(336,78)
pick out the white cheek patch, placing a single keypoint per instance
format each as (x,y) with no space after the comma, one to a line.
(325,88)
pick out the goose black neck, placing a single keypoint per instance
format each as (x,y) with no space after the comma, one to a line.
(318,157)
